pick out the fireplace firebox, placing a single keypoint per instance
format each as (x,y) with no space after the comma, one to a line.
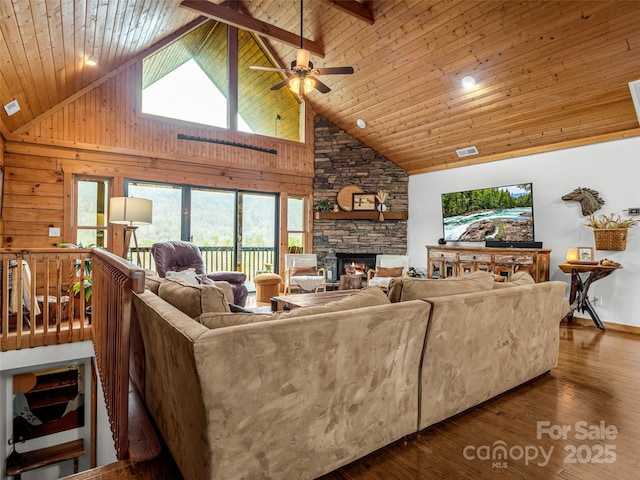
(355,263)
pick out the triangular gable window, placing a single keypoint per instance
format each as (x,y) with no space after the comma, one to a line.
(187,81)
(188,94)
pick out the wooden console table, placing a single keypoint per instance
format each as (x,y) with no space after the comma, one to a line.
(579,294)
(449,261)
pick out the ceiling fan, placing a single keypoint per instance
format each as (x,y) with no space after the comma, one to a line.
(301,75)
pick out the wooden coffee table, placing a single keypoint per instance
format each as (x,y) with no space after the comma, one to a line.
(297,300)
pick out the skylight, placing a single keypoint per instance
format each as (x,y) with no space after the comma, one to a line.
(188,94)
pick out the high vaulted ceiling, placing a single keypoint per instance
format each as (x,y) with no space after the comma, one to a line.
(550,73)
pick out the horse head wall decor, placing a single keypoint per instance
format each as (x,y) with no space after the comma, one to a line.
(589,199)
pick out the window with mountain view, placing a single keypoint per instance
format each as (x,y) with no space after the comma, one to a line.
(235,230)
(187,80)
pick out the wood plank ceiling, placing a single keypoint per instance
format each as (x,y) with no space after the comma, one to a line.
(548,72)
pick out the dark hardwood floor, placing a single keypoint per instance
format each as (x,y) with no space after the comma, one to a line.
(581,421)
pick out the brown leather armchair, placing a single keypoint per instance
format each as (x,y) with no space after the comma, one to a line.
(176,255)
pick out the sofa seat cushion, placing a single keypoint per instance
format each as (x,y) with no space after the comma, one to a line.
(367,297)
(405,289)
(193,300)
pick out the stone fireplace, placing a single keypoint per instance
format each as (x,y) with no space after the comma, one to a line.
(341,160)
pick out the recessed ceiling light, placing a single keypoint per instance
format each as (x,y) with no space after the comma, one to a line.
(361,123)
(468,82)
(92,61)
(12,107)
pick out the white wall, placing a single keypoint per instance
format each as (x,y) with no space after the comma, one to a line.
(611,168)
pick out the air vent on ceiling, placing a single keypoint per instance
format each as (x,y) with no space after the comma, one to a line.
(635,95)
(12,107)
(465,152)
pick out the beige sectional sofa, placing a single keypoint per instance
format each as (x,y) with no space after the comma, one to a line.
(299,394)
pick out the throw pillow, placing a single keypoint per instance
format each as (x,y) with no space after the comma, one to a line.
(389,272)
(518,278)
(193,300)
(522,278)
(404,289)
(300,271)
(188,275)
(152,281)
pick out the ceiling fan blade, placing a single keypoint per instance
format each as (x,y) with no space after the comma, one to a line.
(335,71)
(268,69)
(280,85)
(321,87)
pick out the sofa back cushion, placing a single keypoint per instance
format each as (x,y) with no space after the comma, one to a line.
(405,289)
(193,300)
(367,297)
(518,278)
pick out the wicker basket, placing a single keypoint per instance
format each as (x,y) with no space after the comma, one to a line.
(610,238)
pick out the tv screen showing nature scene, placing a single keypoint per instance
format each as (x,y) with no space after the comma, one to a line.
(497,213)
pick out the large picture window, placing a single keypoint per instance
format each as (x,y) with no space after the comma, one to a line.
(188,80)
(235,230)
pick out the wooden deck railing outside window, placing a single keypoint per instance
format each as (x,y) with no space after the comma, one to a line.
(220,259)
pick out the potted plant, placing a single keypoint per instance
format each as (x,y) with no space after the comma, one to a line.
(77,287)
(610,231)
(323,206)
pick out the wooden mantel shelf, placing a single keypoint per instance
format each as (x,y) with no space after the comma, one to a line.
(369,215)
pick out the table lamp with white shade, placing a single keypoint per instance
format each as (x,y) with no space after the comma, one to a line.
(130,212)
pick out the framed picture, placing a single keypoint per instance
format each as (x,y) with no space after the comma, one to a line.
(364,201)
(585,254)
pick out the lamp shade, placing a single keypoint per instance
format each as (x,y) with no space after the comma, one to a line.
(130,211)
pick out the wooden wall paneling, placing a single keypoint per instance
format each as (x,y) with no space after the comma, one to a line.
(113,106)
(30,210)
(2,188)
(42,179)
(69,211)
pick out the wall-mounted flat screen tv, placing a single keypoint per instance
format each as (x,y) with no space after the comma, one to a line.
(497,213)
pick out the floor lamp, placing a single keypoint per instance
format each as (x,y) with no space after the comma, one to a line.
(130,212)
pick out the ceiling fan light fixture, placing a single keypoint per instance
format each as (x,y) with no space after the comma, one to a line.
(302,58)
(294,84)
(309,84)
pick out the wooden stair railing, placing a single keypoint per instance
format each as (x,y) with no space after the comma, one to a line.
(37,304)
(114,281)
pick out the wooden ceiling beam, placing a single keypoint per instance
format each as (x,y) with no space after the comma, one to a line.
(246,22)
(362,11)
